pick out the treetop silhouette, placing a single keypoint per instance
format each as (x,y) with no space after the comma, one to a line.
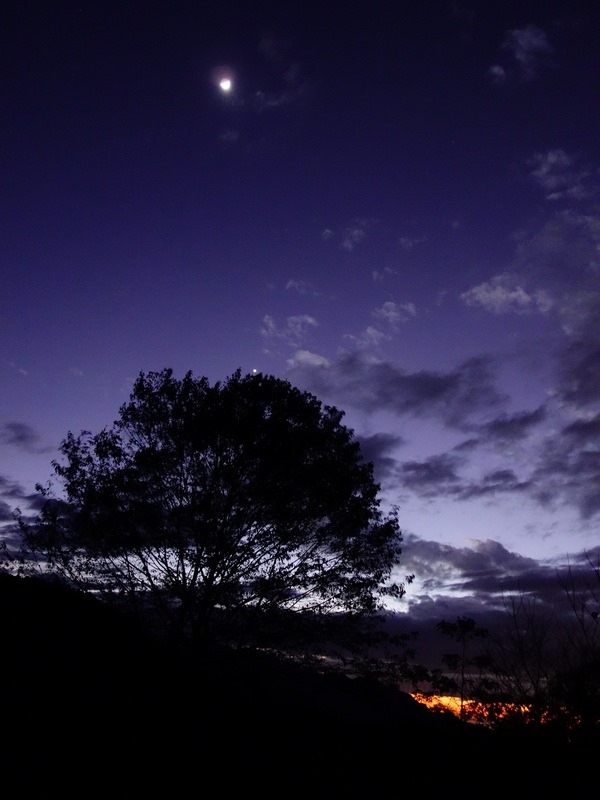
(220,509)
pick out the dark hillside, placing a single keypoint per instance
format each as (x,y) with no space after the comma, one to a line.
(88,700)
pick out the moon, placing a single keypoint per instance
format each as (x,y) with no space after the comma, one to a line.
(223,78)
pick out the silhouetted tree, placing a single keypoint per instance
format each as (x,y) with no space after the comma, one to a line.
(544,664)
(463,631)
(216,506)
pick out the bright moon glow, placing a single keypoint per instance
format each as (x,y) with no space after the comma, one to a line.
(225,84)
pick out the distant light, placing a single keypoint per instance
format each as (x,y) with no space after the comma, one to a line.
(225,84)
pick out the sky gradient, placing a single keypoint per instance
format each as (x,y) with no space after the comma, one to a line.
(396,211)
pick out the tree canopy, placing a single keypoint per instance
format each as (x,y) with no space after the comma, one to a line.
(215,506)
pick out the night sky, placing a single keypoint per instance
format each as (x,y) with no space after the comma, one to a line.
(395,206)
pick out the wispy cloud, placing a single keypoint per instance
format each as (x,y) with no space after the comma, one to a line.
(409,243)
(579,376)
(350,236)
(548,455)
(380,274)
(229,136)
(286,73)
(431,476)
(372,385)
(292,332)
(558,175)
(304,359)
(370,337)
(13,494)
(511,427)
(10,488)
(390,316)
(497,73)
(301,287)
(395,313)
(378,448)
(528,49)
(502,295)
(23,437)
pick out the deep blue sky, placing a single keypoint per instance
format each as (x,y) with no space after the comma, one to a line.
(395,207)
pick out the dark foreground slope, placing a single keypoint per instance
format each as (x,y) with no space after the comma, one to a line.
(91,705)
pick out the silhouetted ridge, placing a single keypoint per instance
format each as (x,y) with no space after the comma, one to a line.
(90,699)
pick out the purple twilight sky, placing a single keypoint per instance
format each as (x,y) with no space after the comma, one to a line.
(393,205)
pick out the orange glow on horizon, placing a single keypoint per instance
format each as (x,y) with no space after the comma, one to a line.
(480,713)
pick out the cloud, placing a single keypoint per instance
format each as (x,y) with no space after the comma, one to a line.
(548,455)
(579,375)
(372,385)
(284,97)
(529,49)
(504,432)
(489,573)
(11,488)
(288,85)
(13,495)
(292,332)
(6,513)
(378,449)
(391,315)
(229,136)
(370,337)
(297,325)
(23,437)
(501,295)
(497,73)
(568,471)
(431,476)
(568,474)
(379,275)
(500,481)
(564,255)
(304,358)
(579,314)
(554,171)
(584,431)
(486,582)
(528,453)
(439,476)
(297,286)
(352,236)
(569,467)
(561,466)
(301,287)
(395,313)
(565,248)
(281,88)
(484,563)
(407,243)
(512,427)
